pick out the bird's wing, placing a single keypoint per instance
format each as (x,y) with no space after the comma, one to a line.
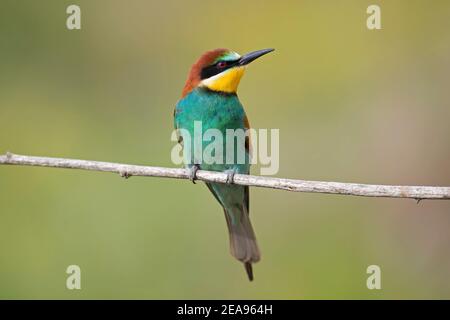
(248,148)
(248,142)
(175,124)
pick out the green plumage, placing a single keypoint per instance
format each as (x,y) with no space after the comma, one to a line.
(222,111)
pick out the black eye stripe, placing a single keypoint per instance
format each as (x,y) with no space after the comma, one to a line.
(214,69)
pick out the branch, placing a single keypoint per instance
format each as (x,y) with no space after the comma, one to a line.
(126,170)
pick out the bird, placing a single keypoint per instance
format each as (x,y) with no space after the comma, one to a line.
(209,96)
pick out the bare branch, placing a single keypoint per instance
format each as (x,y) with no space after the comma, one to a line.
(126,170)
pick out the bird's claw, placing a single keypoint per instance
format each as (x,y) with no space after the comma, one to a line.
(125,174)
(193,173)
(230,176)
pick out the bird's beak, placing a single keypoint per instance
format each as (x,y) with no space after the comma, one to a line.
(249,57)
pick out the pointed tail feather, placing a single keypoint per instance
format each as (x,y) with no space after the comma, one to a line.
(249,270)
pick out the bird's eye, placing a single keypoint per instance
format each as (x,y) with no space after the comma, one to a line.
(221,64)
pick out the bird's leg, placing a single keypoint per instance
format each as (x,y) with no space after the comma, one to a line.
(230,176)
(193,172)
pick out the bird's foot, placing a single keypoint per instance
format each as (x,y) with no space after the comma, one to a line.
(125,174)
(193,173)
(230,176)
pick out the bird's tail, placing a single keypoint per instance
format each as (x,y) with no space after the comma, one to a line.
(243,244)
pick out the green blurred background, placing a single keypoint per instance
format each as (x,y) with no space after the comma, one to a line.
(351,104)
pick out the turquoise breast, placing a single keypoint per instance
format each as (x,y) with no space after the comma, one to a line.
(215,111)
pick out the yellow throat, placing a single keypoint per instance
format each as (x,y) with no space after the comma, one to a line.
(227,81)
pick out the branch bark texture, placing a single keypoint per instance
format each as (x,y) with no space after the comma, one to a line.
(127,170)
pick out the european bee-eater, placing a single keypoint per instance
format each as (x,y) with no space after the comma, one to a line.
(209,96)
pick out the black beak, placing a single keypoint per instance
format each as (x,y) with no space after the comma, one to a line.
(249,57)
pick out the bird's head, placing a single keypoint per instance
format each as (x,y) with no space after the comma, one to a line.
(220,70)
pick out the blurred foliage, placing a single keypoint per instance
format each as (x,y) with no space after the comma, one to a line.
(351,105)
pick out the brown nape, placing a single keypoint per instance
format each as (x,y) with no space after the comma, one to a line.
(194,75)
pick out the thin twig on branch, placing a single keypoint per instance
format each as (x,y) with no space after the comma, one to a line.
(126,170)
